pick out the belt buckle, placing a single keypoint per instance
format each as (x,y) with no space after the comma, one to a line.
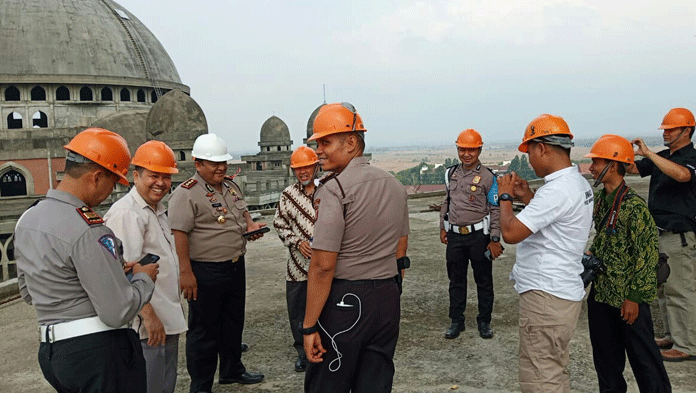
(51,334)
(464,230)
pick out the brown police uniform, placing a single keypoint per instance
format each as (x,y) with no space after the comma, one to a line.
(362,214)
(214,223)
(472,208)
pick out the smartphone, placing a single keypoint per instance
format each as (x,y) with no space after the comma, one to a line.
(256,232)
(146,260)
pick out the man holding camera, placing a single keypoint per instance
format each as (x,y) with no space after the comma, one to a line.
(618,309)
(672,203)
(552,232)
(140,220)
(470,227)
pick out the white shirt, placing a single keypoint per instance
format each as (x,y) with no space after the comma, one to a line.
(142,231)
(560,218)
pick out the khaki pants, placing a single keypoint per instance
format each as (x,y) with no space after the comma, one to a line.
(547,324)
(677,297)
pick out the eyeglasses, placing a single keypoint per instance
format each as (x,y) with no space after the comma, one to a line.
(352,110)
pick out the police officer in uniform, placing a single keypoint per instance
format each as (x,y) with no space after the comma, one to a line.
(70,268)
(672,203)
(470,227)
(351,323)
(209,217)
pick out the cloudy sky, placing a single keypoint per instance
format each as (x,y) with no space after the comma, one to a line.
(419,72)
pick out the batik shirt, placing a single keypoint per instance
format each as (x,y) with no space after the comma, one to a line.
(629,255)
(294,222)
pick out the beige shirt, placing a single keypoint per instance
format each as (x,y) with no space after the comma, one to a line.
(470,201)
(196,211)
(361,216)
(143,230)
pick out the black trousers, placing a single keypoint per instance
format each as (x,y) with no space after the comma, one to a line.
(460,250)
(104,362)
(367,349)
(612,339)
(215,323)
(296,296)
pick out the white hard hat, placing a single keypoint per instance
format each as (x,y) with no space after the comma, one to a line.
(210,147)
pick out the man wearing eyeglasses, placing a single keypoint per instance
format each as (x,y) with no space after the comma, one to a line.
(209,217)
(351,322)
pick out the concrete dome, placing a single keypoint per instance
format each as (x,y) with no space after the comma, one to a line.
(80,41)
(310,122)
(274,132)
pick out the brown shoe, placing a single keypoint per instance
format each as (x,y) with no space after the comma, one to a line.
(674,355)
(663,343)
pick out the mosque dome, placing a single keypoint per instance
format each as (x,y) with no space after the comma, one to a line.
(274,132)
(310,122)
(80,42)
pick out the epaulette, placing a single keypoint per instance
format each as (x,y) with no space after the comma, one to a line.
(491,171)
(189,183)
(89,216)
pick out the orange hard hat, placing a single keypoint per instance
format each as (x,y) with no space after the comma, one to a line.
(612,147)
(678,117)
(336,118)
(105,148)
(469,138)
(544,125)
(303,156)
(155,156)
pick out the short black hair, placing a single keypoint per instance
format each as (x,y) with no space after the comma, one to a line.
(76,170)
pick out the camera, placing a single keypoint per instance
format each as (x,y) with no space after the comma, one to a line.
(592,266)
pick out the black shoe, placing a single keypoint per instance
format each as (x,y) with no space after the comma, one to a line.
(485,330)
(301,364)
(454,330)
(245,347)
(246,378)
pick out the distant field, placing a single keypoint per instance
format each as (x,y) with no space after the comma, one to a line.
(404,159)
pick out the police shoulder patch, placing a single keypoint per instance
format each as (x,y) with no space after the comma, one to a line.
(90,216)
(109,243)
(189,183)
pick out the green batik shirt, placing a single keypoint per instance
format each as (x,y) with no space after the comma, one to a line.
(630,254)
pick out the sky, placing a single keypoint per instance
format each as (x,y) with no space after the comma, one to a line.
(420,72)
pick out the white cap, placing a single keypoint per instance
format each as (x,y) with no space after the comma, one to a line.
(210,147)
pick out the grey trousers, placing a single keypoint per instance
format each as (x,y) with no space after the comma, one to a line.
(161,364)
(677,297)
(296,295)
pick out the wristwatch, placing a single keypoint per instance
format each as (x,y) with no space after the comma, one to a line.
(505,197)
(495,239)
(307,331)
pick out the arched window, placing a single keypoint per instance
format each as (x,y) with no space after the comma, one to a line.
(86,94)
(125,94)
(12,183)
(153,96)
(39,120)
(14,120)
(11,94)
(38,94)
(106,94)
(141,95)
(62,94)
(182,155)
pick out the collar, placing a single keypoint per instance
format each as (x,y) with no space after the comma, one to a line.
(681,150)
(206,186)
(65,197)
(476,168)
(608,198)
(142,204)
(560,172)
